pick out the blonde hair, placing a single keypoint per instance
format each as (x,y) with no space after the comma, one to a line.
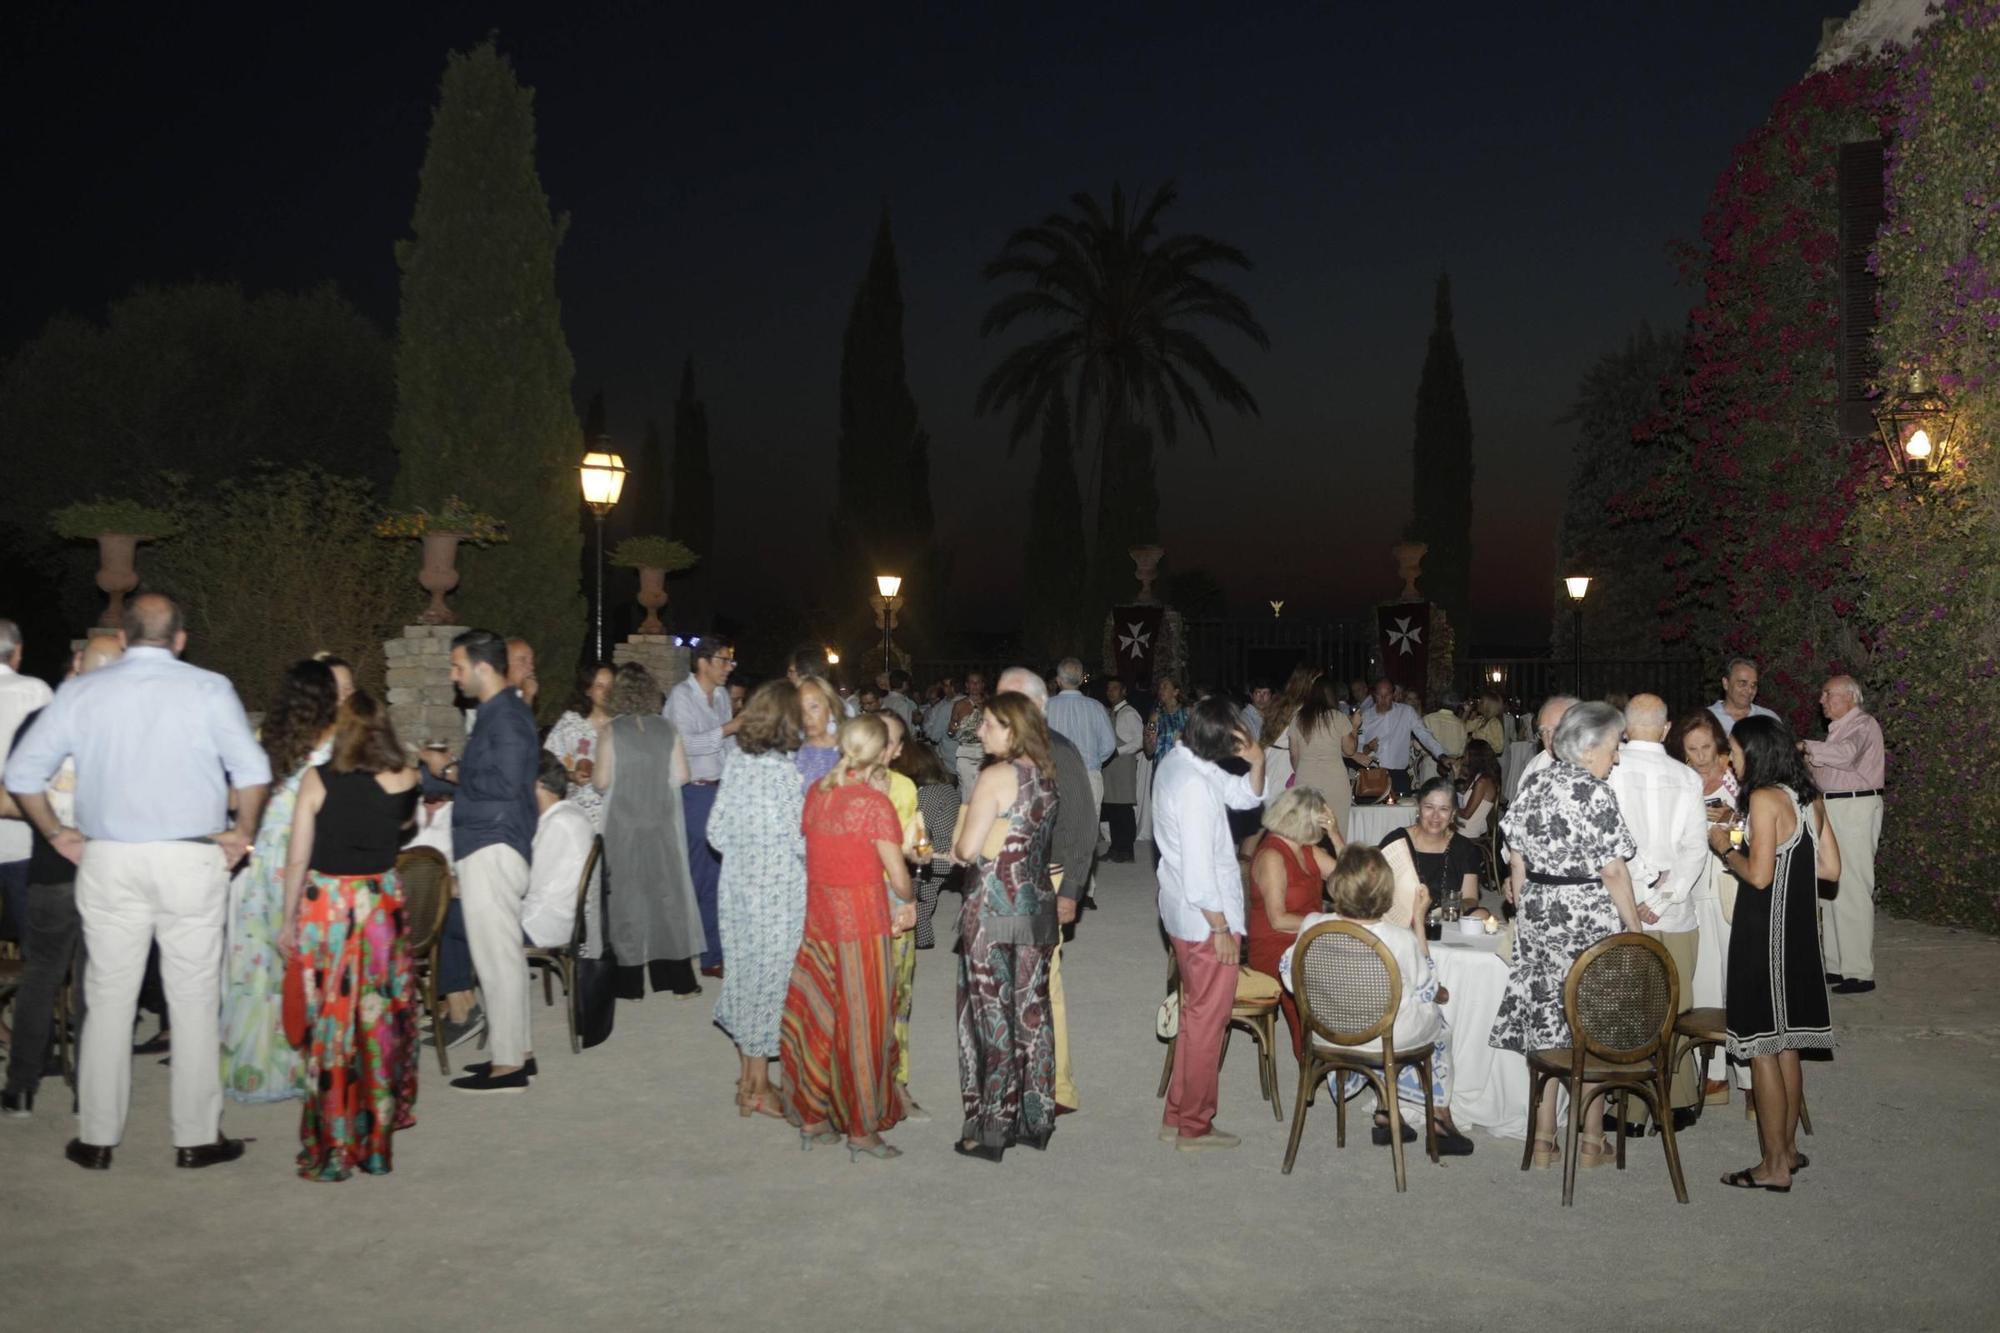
(835,710)
(1363,887)
(1296,815)
(863,742)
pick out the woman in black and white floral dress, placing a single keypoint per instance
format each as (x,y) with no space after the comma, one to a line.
(1568,846)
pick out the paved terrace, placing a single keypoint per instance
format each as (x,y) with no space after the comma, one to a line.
(624,1192)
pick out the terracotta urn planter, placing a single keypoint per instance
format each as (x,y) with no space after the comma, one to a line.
(652,596)
(116,572)
(439,575)
(1146,560)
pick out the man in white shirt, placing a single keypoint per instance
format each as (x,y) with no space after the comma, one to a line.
(19,696)
(1121,775)
(1386,730)
(1201,905)
(563,835)
(1260,703)
(937,723)
(699,709)
(1660,798)
(1546,720)
(898,700)
(1739,695)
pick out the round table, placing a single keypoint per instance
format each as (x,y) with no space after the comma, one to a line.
(1515,759)
(1489,1088)
(1369,824)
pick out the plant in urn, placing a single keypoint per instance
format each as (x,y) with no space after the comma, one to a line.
(440,534)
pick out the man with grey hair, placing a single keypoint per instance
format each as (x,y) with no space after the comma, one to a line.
(19,696)
(1082,721)
(159,746)
(1547,719)
(1073,846)
(1739,695)
(1661,800)
(1848,767)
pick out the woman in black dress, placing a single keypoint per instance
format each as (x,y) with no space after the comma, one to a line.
(1777,985)
(1447,862)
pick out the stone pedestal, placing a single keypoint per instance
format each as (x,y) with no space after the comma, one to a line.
(658,653)
(421,694)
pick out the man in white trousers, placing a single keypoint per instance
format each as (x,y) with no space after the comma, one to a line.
(153,739)
(1848,766)
(493,820)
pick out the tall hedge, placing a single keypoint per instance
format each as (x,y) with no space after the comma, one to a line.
(483,371)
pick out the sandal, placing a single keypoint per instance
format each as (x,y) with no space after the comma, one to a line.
(764,1103)
(1800,1162)
(1546,1157)
(1588,1157)
(1743,1180)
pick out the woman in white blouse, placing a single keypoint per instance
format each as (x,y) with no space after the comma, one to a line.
(1363,889)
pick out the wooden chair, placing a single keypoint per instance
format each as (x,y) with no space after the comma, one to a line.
(1259,1018)
(425,879)
(1348,989)
(1700,1033)
(561,959)
(1620,999)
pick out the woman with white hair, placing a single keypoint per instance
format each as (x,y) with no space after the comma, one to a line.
(1567,861)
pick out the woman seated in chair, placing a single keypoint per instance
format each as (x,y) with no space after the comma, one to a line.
(1287,879)
(1363,890)
(1479,788)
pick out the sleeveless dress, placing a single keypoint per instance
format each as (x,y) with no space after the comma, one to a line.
(1777,982)
(1266,944)
(650,913)
(361,1005)
(258,1064)
(837,1034)
(1319,762)
(1007,933)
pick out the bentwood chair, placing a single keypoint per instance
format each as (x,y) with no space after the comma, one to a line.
(1699,1033)
(1256,1016)
(425,879)
(561,959)
(1620,997)
(1348,989)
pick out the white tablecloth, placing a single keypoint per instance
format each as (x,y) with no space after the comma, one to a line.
(1369,824)
(1511,763)
(1489,1088)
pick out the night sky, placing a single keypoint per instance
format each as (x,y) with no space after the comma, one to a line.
(724,173)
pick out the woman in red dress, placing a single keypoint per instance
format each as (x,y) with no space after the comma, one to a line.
(1287,880)
(838,1038)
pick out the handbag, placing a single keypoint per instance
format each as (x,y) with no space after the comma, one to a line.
(1371,785)
(295,1018)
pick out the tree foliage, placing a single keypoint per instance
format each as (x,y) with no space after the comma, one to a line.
(1441,457)
(882,518)
(1621,406)
(1055,621)
(279,564)
(483,370)
(196,379)
(692,517)
(1930,567)
(1120,308)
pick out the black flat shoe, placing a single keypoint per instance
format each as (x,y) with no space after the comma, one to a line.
(1380,1134)
(984,1151)
(485,1067)
(209,1154)
(1834,978)
(89,1156)
(158,1044)
(1743,1180)
(1853,987)
(1451,1143)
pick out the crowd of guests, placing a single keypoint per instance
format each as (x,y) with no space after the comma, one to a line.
(779,840)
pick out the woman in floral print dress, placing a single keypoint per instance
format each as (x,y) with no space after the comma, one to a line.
(258,1064)
(344,919)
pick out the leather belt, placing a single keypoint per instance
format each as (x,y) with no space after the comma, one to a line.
(1562,881)
(704,782)
(1843,795)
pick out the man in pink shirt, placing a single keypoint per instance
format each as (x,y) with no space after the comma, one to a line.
(1847,765)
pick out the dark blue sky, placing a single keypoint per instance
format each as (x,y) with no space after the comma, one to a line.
(724,173)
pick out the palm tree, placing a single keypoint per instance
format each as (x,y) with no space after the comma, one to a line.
(1120,301)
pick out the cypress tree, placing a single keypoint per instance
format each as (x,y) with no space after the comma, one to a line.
(882,519)
(692,520)
(594,424)
(1442,459)
(483,371)
(1052,621)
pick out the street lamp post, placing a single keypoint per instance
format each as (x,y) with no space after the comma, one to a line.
(886,603)
(603,475)
(1578,585)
